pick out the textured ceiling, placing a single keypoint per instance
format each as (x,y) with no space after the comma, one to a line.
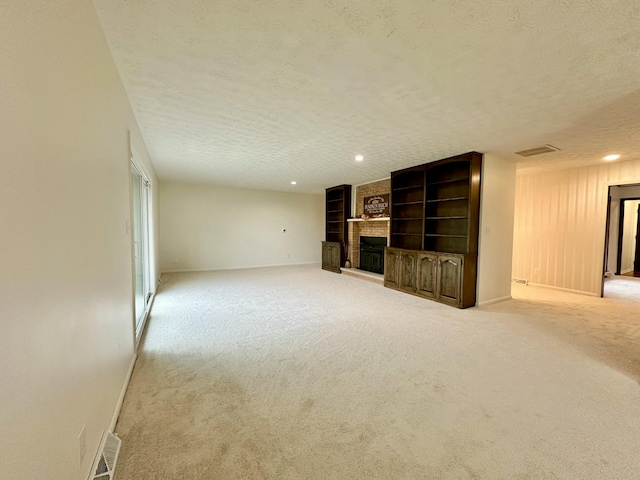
(256,94)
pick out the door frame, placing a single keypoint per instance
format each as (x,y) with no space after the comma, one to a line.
(146,195)
(607,232)
(606,213)
(636,260)
(621,232)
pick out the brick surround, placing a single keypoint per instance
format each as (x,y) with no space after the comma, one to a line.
(369,190)
(370,228)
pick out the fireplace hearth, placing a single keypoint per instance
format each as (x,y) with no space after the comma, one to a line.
(372,254)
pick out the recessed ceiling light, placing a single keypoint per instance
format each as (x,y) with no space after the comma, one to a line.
(609,158)
(359,158)
(294,183)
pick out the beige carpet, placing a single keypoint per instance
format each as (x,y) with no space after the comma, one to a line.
(298,373)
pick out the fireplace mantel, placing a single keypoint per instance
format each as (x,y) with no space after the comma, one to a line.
(379,219)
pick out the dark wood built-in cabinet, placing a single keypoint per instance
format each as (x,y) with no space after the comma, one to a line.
(435,210)
(438,276)
(338,210)
(427,274)
(400,269)
(331,256)
(449,270)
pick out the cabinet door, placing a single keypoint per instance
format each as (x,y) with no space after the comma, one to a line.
(449,278)
(331,256)
(407,277)
(391,268)
(427,274)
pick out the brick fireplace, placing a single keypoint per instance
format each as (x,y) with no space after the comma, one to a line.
(369,228)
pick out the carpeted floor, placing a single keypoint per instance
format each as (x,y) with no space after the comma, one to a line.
(298,373)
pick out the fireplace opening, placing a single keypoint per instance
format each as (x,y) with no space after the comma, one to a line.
(372,254)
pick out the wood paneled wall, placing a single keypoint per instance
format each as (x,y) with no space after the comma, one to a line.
(560,219)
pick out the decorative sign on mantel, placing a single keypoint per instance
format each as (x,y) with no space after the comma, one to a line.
(376,206)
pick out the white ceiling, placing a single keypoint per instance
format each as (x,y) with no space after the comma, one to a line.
(256,94)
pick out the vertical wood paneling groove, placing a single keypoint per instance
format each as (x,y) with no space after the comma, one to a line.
(560,224)
(592,195)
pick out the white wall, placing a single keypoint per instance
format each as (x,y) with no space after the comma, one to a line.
(204,227)
(66,303)
(560,221)
(629,235)
(496,229)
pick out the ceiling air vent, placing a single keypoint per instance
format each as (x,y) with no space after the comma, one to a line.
(537,151)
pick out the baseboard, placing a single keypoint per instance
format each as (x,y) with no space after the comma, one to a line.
(568,290)
(189,270)
(116,412)
(494,300)
(622,272)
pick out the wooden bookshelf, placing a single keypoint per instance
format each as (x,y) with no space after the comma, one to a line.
(452,201)
(338,210)
(435,211)
(407,208)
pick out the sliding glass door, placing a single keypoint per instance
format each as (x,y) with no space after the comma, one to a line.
(142,284)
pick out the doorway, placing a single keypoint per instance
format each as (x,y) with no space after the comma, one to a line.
(628,262)
(622,252)
(141,272)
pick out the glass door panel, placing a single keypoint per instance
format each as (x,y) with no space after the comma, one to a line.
(142,291)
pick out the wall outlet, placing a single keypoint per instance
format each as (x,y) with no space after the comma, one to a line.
(536,272)
(82,444)
(288,255)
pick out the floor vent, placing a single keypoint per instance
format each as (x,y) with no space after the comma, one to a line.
(107,457)
(520,281)
(537,151)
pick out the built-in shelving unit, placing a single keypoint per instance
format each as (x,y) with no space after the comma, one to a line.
(435,210)
(338,210)
(407,208)
(448,206)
